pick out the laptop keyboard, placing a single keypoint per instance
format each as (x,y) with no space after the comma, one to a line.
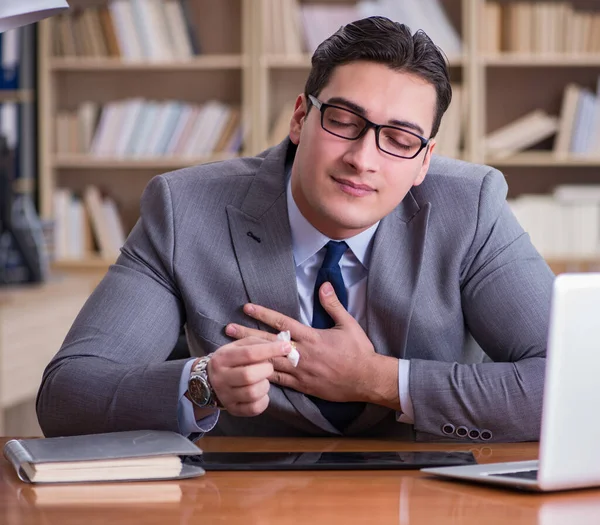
(523,474)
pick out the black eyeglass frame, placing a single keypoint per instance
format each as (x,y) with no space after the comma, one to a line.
(322,106)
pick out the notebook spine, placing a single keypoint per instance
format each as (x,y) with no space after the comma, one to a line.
(17,454)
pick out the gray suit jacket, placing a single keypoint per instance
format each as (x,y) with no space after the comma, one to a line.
(450,261)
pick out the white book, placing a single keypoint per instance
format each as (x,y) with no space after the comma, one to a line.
(216,129)
(321,21)
(443,32)
(146,127)
(143,25)
(595,140)
(76,229)
(580,137)
(180,39)
(205,127)
(131,111)
(125,28)
(61,198)
(162,113)
(577,193)
(567,120)
(187,112)
(169,127)
(101,138)
(521,134)
(190,148)
(87,114)
(162,49)
(114,224)
(163,125)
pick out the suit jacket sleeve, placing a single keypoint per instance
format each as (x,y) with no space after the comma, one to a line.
(111,372)
(505,292)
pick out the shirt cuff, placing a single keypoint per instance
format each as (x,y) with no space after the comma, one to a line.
(407,415)
(185,409)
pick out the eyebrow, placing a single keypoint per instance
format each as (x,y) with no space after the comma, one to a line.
(361,111)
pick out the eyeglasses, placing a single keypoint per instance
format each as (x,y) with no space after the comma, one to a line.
(349,125)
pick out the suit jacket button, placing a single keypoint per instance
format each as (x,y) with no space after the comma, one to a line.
(462,431)
(474,433)
(486,434)
(448,429)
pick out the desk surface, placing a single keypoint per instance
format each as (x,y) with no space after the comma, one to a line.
(398,497)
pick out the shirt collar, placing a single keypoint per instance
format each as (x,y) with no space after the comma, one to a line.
(307,240)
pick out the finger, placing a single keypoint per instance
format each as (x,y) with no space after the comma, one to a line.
(282,364)
(239,332)
(232,356)
(332,304)
(286,380)
(250,409)
(277,320)
(241,376)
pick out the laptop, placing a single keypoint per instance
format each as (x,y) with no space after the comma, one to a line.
(568,453)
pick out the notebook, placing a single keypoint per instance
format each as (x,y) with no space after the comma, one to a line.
(114,456)
(570,427)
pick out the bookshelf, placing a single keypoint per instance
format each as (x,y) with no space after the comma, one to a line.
(242,63)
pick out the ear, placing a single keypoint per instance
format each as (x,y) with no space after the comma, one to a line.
(426,160)
(298,119)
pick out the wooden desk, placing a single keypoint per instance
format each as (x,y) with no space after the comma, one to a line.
(314,498)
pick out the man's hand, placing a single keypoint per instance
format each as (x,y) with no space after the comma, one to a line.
(239,372)
(337,364)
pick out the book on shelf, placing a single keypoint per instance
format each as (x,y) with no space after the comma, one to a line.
(521,134)
(84,223)
(579,127)
(134,30)
(564,223)
(281,125)
(138,128)
(113,456)
(292,27)
(547,28)
(450,136)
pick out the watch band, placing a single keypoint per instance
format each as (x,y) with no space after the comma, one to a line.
(200,371)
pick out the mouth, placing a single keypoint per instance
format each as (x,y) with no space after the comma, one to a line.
(352,188)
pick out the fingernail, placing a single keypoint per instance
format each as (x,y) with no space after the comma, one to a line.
(231,329)
(286,348)
(327,289)
(250,309)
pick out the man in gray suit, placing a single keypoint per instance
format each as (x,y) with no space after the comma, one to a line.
(380,260)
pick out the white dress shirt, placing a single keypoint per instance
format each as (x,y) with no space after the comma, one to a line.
(308,245)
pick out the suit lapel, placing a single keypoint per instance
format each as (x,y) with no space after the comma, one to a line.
(391,290)
(260,232)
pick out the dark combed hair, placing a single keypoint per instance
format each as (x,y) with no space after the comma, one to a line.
(378,39)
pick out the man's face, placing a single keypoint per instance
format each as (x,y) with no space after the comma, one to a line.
(342,187)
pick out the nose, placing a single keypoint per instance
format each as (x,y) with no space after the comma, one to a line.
(362,154)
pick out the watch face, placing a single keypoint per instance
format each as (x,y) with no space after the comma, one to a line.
(199,391)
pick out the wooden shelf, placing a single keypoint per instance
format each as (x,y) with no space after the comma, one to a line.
(543,159)
(19,95)
(88,64)
(542,60)
(89,162)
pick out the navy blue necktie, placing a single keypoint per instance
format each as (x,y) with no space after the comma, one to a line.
(339,415)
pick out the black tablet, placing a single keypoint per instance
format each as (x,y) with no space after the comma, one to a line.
(330,460)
